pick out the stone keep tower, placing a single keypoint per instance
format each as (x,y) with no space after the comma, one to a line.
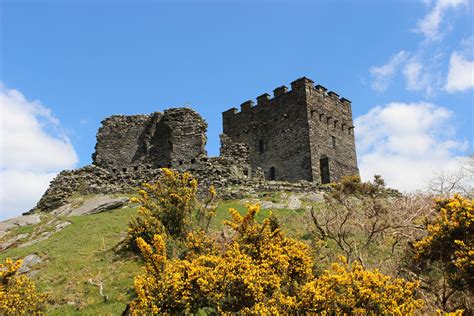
(303,134)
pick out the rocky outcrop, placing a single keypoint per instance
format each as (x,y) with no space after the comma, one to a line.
(96,205)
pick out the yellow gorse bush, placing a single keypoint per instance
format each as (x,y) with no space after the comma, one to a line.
(170,207)
(444,258)
(260,271)
(450,239)
(352,290)
(18,295)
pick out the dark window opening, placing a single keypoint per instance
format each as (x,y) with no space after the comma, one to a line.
(272,173)
(159,166)
(180,162)
(261,146)
(124,169)
(193,160)
(204,159)
(324,168)
(135,168)
(114,170)
(333,139)
(169,165)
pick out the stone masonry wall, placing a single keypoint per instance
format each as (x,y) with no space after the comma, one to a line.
(118,144)
(175,137)
(290,134)
(331,133)
(276,131)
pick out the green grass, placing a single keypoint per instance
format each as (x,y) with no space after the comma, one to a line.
(81,251)
(85,250)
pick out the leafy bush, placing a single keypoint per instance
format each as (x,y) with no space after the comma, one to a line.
(444,258)
(18,295)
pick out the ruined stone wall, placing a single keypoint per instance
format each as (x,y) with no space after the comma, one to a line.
(230,169)
(119,141)
(175,137)
(180,139)
(290,134)
(276,131)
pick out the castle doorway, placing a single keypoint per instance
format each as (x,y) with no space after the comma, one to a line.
(324,168)
(272,173)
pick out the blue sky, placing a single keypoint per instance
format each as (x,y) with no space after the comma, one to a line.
(407,67)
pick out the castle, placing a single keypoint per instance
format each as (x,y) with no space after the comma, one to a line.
(300,138)
(302,134)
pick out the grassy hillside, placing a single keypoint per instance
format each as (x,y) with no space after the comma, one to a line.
(85,250)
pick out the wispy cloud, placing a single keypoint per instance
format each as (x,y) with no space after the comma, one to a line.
(429,26)
(406,143)
(382,75)
(32,151)
(461,68)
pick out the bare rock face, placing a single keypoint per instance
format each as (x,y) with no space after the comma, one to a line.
(19,221)
(93,206)
(29,264)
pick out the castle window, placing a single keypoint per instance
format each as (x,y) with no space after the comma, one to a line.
(114,170)
(180,162)
(272,173)
(124,169)
(135,168)
(333,140)
(261,146)
(193,160)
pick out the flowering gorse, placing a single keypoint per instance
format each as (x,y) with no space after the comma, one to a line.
(170,207)
(352,290)
(18,295)
(259,271)
(444,258)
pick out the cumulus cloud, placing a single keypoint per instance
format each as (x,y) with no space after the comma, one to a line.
(406,143)
(382,75)
(460,74)
(430,24)
(32,151)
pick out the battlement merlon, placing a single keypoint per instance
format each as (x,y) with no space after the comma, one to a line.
(299,88)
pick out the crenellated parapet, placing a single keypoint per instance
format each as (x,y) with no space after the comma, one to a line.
(299,88)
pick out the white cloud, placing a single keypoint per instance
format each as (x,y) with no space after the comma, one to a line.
(32,151)
(406,143)
(382,75)
(461,73)
(430,24)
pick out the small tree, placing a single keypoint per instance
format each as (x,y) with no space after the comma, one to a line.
(356,216)
(18,295)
